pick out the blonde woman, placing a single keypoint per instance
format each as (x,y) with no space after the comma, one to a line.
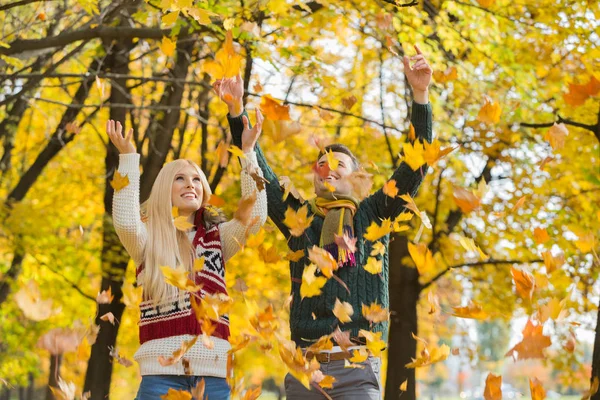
(167,319)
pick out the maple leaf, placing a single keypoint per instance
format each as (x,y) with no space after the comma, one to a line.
(311,284)
(105,297)
(433,153)
(332,160)
(473,310)
(344,242)
(119,181)
(198,391)
(349,102)
(553,309)
(359,355)
(227,62)
(375,232)
(323,260)
(174,394)
(64,391)
(114,353)
(430,356)
(256,177)
(269,255)
(374,342)
(273,110)
(378,249)
(414,154)
(245,207)
(537,390)
(167,46)
(373,266)
(524,282)
(390,189)
(289,188)
(59,341)
(343,311)
(222,153)
(297,221)
(323,343)
(375,313)
(170,18)
(467,201)
(361,183)
(578,94)
(179,277)
(201,15)
(422,258)
(469,245)
(29,300)
(556,136)
(586,243)
(236,151)
(342,339)
(551,262)
(533,344)
(490,112)
(540,235)
(294,255)
(449,74)
(178,354)
(493,387)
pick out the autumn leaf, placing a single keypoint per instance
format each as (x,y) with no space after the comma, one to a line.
(374,342)
(473,310)
(198,391)
(273,110)
(533,343)
(378,249)
(422,258)
(29,300)
(586,242)
(119,181)
(553,309)
(59,341)
(375,232)
(201,15)
(294,255)
(349,102)
(179,277)
(493,387)
(167,46)
(170,18)
(268,255)
(105,297)
(245,207)
(323,260)
(375,313)
(173,394)
(132,296)
(327,382)
(433,152)
(490,112)
(114,353)
(540,235)
(343,311)
(177,354)
(359,355)
(227,62)
(524,282)
(578,94)
(344,242)
(414,154)
(236,151)
(449,74)
(373,266)
(390,189)
(323,343)
(469,245)
(108,317)
(430,355)
(486,4)
(222,153)
(64,391)
(342,339)
(404,386)
(297,221)
(433,302)
(556,136)
(537,390)
(289,188)
(551,262)
(311,284)
(466,200)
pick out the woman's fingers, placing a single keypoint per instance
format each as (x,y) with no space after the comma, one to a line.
(418,49)
(417,57)
(129,134)
(119,129)
(245,122)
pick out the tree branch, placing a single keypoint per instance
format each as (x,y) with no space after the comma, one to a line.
(10,5)
(411,4)
(562,120)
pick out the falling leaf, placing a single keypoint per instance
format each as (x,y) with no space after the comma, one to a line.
(297,221)
(257,178)
(323,260)
(467,201)
(289,188)
(472,310)
(414,154)
(222,153)
(390,188)
(553,309)
(268,255)
(433,152)
(311,284)
(327,382)
(105,297)
(359,355)
(60,341)
(430,356)
(569,345)
(518,204)
(227,63)
(343,311)
(178,354)
(493,387)
(114,353)
(586,243)
(273,110)
(361,183)
(433,302)
(236,151)
(173,394)
(167,46)
(109,317)
(447,75)
(29,300)
(375,313)
(551,262)
(556,136)
(323,343)
(348,364)
(295,256)
(216,201)
(373,266)
(378,249)
(119,181)
(375,232)
(537,391)
(245,207)
(490,112)
(349,102)
(540,235)
(345,242)
(469,245)
(179,277)
(199,264)
(545,161)
(132,296)
(524,282)
(374,342)
(404,385)
(422,258)
(64,391)
(578,94)
(332,160)
(533,344)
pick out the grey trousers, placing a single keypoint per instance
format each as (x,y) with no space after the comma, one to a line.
(350,383)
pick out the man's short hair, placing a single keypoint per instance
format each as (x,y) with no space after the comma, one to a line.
(340,148)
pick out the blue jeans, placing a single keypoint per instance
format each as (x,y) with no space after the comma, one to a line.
(154,386)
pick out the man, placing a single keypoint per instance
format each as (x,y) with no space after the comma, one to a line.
(337,213)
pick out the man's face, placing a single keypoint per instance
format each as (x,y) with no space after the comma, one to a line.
(337,178)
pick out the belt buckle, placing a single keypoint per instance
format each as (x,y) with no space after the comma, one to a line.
(328,359)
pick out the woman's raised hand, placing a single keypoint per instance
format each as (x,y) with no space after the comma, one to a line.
(231,92)
(115,134)
(250,135)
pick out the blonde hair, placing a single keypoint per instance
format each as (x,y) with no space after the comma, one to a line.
(166,245)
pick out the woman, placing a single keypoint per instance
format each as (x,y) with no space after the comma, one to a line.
(167,316)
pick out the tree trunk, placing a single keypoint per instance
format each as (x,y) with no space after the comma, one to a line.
(55,361)
(596,356)
(404,296)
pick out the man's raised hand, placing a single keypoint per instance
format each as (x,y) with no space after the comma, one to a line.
(115,134)
(250,135)
(419,75)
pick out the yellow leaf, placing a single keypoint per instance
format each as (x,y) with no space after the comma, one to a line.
(374,342)
(132,296)
(359,355)
(181,223)
(553,309)
(469,245)
(412,136)
(167,46)
(375,313)
(29,300)
(200,15)
(236,151)
(178,277)
(173,394)
(198,264)
(297,221)
(433,153)
(376,232)
(294,256)
(119,181)
(311,284)
(490,112)
(332,161)
(177,354)
(524,283)
(170,18)
(556,136)
(422,257)
(378,249)
(414,155)
(432,356)
(343,311)
(540,235)
(586,242)
(390,188)
(323,260)
(472,310)
(537,390)
(449,74)
(373,266)
(327,382)
(404,385)
(551,262)
(274,111)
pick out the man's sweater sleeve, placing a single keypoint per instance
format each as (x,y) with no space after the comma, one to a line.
(277,206)
(407,180)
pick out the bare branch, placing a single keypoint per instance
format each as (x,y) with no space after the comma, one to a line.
(562,120)
(10,5)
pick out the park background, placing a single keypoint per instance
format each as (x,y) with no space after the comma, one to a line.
(509,220)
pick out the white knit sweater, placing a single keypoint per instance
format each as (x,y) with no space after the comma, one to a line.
(132,233)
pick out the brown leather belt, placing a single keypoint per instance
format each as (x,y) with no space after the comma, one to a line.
(325,358)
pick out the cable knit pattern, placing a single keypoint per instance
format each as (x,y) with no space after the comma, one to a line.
(312,317)
(132,233)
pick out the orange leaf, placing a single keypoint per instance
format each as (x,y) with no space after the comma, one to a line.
(349,102)
(493,390)
(109,317)
(274,111)
(472,310)
(556,136)
(245,207)
(311,284)
(173,394)
(294,256)
(105,297)
(537,391)
(177,354)
(390,188)
(490,112)
(551,262)
(466,200)
(533,344)
(524,282)
(119,181)
(578,94)
(540,235)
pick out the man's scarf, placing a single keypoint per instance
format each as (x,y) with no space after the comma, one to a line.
(338,214)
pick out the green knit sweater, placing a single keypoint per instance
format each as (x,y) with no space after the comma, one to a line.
(365,288)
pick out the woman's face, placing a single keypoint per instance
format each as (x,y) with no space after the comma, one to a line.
(186,192)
